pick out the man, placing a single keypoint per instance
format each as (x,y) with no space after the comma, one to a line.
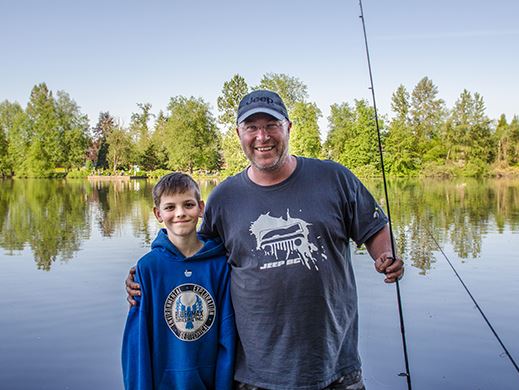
(286,223)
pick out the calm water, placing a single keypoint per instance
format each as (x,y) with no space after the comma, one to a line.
(66,246)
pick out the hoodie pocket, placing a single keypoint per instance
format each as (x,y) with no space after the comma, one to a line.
(195,379)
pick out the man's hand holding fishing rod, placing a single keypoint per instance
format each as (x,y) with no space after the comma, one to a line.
(379,248)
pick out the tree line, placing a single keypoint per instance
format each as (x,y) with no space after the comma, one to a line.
(421,135)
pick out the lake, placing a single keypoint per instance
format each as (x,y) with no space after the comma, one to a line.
(66,247)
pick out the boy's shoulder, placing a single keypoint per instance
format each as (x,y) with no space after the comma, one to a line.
(149,259)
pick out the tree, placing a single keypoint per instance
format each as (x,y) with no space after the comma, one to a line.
(46,141)
(400,104)
(98,150)
(427,113)
(73,129)
(232,92)
(468,136)
(502,141)
(13,144)
(304,135)
(18,140)
(340,122)
(400,146)
(513,131)
(159,141)
(141,137)
(192,139)
(291,89)
(352,140)
(119,147)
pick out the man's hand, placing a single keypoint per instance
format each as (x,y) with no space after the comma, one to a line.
(393,268)
(133,289)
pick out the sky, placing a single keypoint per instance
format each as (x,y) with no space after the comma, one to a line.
(110,55)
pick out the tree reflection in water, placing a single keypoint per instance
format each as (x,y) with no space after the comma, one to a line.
(53,217)
(456,212)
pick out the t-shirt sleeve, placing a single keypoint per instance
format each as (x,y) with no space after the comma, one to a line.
(367,216)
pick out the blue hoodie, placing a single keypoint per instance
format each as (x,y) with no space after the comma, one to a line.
(181,335)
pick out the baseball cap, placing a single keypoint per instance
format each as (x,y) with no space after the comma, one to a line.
(263,101)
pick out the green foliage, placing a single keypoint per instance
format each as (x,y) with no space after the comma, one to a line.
(291,89)
(352,140)
(427,113)
(304,136)
(73,130)
(506,139)
(79,173)
(234,158)
(43,154)
(192,139)
(158,173)
(50,137)
(159,140)
(401,156)
(98,151)
(144,150)
(468,135)
(119,148)
(13,138)
(232,92)
(227,103)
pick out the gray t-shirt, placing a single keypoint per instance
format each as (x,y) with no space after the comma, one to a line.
(292,282)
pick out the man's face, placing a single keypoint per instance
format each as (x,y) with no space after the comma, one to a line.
(264,140)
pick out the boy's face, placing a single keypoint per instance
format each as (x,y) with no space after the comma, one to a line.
(179,212)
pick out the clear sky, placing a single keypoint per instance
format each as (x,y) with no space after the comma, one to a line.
(110,55)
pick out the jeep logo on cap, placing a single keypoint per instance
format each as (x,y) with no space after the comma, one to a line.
(263,99)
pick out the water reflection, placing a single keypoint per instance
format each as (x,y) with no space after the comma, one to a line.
(53,217)
(458,213)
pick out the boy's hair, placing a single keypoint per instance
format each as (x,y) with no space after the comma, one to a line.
(174,183)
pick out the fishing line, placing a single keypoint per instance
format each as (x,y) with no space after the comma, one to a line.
(407,373)
(473,300)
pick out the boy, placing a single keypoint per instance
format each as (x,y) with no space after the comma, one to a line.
(182,334)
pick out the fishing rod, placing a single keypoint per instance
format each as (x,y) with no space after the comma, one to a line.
(475,302)
(407,373)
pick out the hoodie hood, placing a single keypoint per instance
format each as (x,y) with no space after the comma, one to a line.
(212,247)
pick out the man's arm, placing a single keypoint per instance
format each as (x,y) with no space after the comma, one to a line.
(379,248)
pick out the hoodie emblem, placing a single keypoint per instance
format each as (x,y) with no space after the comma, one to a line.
(189,311)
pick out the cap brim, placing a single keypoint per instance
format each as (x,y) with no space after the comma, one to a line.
(263,110)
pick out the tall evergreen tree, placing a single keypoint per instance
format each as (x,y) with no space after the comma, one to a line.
(98,150)
(427,114)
